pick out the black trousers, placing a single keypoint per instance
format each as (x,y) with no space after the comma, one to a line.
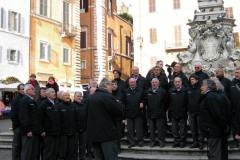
(218,149)
(68,147)
(159,125)
(106,150)
(179,127)
(50,147)
(132,125)
(82,145)
(16,144)
(30,148)
(195,128)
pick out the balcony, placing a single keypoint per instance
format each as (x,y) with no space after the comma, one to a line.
(176,46)
(68,31)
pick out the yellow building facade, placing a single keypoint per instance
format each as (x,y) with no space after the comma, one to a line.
(54,43)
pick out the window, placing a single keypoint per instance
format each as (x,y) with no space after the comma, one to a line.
(65,14)
(128,45)
(229,12)
(66,56)
(83,64)
(176,4)
(153,35)
(152,5)
(83,6)
(83,35)
(109,9)
(110,42)
(110,65)
(178,36)
(12,21)
(45,51)
(13,56)
(43,7)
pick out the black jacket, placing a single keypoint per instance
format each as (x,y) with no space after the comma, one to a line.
(212,120)
(132,100)
(235,99)
(120,83)
(227,85)
(103,109)
(155,101)
(194,95)
(15,105)
(178,103)
(182,76)
(163,82)
(50,118)
(201,75)
(141,82)
(68,118)
(30,116)
(81,115)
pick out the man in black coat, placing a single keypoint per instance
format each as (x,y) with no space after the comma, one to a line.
(140,80)
(213,122)
(224,81)
(133,100)
(15,105)
(30,124)
(177,72)
(194,95)
(235,99)
(178,112)
(51,126)
(158,73)
(155,100)
(68,132)
(81,115)
(103,108)
(199,72)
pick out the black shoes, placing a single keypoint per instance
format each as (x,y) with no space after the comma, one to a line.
(152,144)
(182,145)
(140,144)
(131,145)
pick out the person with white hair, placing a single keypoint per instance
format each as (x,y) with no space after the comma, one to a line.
(51,125)
(178,101)
(30,124)
(68,120)
(81,113)
(155,98)
(199,72)
(103,109)
(213,118)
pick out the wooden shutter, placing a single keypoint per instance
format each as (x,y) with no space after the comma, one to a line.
(19,23)
(83,39)
(18,56)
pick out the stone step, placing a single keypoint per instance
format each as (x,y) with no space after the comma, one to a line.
(169,150)
(8,135)
(6,141)
(133,156)
(189,140)
(7,147)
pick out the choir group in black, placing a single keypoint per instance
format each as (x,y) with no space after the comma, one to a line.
(51,126)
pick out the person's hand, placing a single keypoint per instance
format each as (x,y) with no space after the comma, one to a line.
(237,136)
(29,134)
(141,105)
(43,134)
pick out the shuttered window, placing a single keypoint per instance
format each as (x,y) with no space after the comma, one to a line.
(152,5)
(45,51)
(176,4)
(229,12)
(153,35)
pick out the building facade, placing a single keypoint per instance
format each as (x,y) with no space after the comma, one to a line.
(106,40)
(55,39)
(161,30)
(14,41)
